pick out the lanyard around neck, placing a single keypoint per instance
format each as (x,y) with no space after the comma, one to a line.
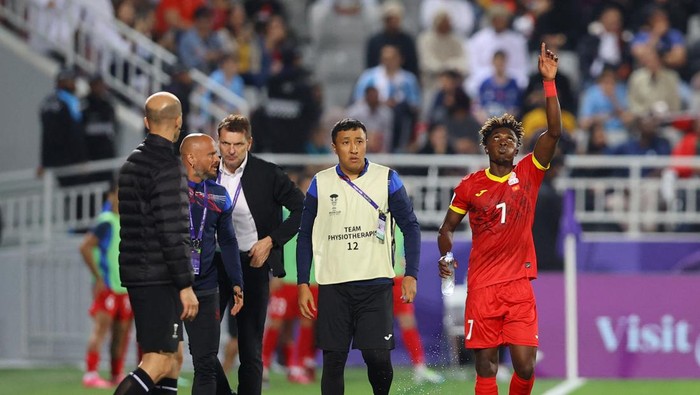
(361,192)
(205,203)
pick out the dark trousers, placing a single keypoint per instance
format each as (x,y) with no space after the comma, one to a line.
(203,334)
(250,320)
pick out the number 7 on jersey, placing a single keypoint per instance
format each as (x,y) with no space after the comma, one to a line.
(502,206)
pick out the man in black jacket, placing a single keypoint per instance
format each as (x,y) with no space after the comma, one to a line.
(258,191)
(154,253)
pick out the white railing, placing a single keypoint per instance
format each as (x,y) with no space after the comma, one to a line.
(34,209)
(130,63)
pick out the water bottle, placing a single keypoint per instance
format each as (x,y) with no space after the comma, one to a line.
(448,283)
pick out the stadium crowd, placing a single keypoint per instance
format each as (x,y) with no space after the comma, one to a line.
(424,74)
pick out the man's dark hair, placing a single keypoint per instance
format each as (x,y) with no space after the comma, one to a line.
(504,121)
(235,123)
(346,124)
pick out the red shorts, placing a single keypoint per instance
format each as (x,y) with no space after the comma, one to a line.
(399,306)
(503,313)
(116,306)
(284,304)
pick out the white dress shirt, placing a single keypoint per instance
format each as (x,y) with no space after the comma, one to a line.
(243,223)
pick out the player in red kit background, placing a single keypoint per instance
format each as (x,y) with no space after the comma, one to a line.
(500,201)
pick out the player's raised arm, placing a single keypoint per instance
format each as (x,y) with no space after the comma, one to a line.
(547,142)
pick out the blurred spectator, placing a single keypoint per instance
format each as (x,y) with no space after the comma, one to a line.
(607,43)
(339,30)
(393,34)
(199,47)
(378,119)
(559,19)
(220,9)
(606,102)
(658,34)
(646,140)
(678,11)
(292,107)
(317,143)
(688,145)
(438,141)
(462,12)
(452,108)
(62,132)
(275,40)
(176,15)
(52,25)
(653,87)
(499,93)
(440,49)
(497,37)
(398,88)
(597,144)
(101,127)
(261,11)
(535,122)
(545,227)
(181,85)
(238,36)
(227,76)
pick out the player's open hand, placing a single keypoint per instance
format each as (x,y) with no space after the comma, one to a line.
(409,288)
(307,306)
(237,300)
(190,304)
(444,267)
(548,63)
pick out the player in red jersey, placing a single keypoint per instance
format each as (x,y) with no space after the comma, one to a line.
(500,200)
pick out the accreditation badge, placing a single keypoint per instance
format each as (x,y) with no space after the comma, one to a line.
(381,227)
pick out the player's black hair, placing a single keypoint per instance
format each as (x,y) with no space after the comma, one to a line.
(504,121)
(346,124)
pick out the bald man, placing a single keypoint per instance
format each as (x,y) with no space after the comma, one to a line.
(154,252)
(211,213)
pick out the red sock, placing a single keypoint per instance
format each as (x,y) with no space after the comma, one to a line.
(117,366)
(269,343)
(289,355)
(485,386)
(414,346)
(520,386)
(92,360)
(306,347)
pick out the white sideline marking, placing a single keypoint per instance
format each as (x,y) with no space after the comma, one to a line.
(566,387)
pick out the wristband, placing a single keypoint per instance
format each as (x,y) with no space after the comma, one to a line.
(550,88)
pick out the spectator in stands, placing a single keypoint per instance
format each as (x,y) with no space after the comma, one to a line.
(238,36)
(181,85)
(499,93)
(199,47)
(606,102)
(275,41)
(101,127)
(377,117)
(227,76)
(52,26)
(62,130)
(439,49)
(438,141)
(646,140)
(398,88)
(658,34)
(176,15)
(291,109)
(317,143)
(111,310)
(393,34)
(607,43)
(559,19)
(339,31)
(497,36)
(653,87)
(462,12)
(452,108)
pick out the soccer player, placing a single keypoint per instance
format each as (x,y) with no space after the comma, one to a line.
(500,200)
(347,226)
(111,308)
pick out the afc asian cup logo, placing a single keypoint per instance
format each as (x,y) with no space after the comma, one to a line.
(334,203)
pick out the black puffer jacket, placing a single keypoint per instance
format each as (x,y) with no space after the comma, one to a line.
(154,216)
